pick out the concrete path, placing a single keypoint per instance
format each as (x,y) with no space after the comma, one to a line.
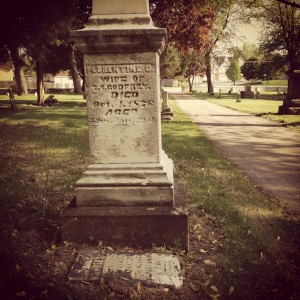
(266,152)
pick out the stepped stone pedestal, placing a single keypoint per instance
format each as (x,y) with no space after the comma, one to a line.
(126,196)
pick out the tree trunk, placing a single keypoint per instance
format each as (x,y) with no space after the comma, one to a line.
(191,82)
(24,89)
(19,74)
(74,71)
(83,87)
(210,88)
(40,82)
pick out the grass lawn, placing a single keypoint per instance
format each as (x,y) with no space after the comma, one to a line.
(242,246)
(268,83)
(266,107)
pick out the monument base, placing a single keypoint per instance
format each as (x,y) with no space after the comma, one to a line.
(127,184)
(138,227)
(166,114)
(290,108)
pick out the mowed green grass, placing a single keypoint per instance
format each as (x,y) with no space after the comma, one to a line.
(267,106)
(39,146)
(44,152)
(255,258)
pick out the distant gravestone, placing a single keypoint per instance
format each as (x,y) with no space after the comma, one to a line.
(166,113)
(127,192)
(12,100)
(291,101)
(247,93)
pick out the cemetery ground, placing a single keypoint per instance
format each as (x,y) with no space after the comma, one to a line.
(242,244)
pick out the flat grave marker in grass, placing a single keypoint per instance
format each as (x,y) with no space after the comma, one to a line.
(148,268)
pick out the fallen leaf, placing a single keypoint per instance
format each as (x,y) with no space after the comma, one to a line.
(210,263)
(231,290)
(124,278)
(214,288)
(203,251)
(193,287)
(110,248)
(166,290)
(197,226)
(18,268)
(139,288)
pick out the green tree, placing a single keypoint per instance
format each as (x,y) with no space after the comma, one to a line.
(250,68)
(281,29)
(247,51)
(227,15)
(188,23)
(193,64)
(233,72)
(169,62)
(37,28)
(13,34)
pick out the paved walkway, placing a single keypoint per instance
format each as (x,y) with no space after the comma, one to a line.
(266,152)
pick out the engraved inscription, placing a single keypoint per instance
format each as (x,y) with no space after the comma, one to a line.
(151,268)
(124,90)
(119,69)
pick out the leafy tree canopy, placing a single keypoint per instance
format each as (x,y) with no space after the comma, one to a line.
(188,22)
(250,68)
(233,72)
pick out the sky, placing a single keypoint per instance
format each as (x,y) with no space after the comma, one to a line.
(249,33)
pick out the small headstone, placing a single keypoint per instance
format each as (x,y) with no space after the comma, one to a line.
(148,268)
(166,113)
(247,93)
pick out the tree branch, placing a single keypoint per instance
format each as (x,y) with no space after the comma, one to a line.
(294,4)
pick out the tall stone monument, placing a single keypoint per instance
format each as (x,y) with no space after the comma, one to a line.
(291,103)
(127,195)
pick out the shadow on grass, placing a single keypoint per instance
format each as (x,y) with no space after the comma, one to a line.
(271,97)
(259,257)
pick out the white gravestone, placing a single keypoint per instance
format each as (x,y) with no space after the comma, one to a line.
(129,172)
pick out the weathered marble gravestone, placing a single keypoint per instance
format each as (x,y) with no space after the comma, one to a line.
(127,196)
